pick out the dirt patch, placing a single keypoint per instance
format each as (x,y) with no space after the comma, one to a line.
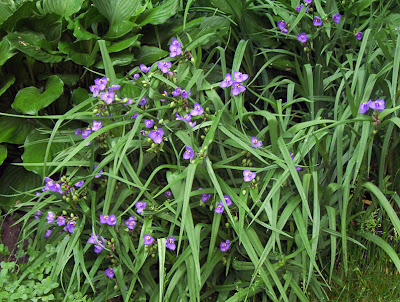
(9,236)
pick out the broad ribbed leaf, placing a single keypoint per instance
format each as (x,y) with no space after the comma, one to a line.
(5,51)
(63,8)
(117,10)
(14,130)
(30,100)
(79,58)
(8,81)
(5,12)
(3,153)
(149,54)
(159,14)
(122,45)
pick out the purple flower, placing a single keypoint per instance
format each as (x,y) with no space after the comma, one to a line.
(359,35)
(52,186)
(134,116)
(255,143)
(281,24)
(379,104)
(98,249)
(79,183)
(364,107)
(142,101)
(93,238)
(219,208)
(185,94)
(112,220)
(336,18)
(96,125)
(168,193)
(188,154)
(148,123)
(104,219)
(302,37)
(148,239)
(78,131)
(38,212)
(98,175)
(136,76)
(297,168)
(176,42)
(95,90)
(144,68)
(227,200)
(248,175)
(317,21)
(130,223)
(174,50)
(164,66)
(140,205)
(284,30)
(308,1)
(101,83)
(70,227)
(237,88)
(164,94)
(86,133)
(186,118)
(224,246)
(197,110)
(60,220)
(107,96)
(50,217)
(171,243)
(299,7)
(205,196)
(109,272)
(47,234)
(240,77)
(157,135)
(227,82)
(177,91)
(114,87)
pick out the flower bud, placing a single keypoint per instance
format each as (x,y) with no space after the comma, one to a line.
(64,212)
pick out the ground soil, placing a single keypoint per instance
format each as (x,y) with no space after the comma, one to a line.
(9,236)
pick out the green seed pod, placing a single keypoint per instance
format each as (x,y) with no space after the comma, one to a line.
(75,198)
(227,224)
(68,199)
(244,192)
(160,121)
(72,215)
(64,213)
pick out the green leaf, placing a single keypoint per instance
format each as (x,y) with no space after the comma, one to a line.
(30,100)
(80,33)
(117,10)
(130,42)
(5,51)
(121,59)
(79,58)
(63,8)
(34,45)
(5,12)
(35,149)
(119,29)
(8,81)
(149,54)
(79,95)
(3,153)
(159,14)
(14,130)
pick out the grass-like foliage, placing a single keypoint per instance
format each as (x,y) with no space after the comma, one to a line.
(253,170)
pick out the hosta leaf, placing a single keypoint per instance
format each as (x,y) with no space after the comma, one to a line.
(149,54)
(30,100)
(5,12)
(118,60)
(119,29)
(80,33)
(14,130)
(3,153)
(159,14)
(35,150)
(63,8)
(122,45)
(8,81)
(117,10)
(5,51)
(79,58)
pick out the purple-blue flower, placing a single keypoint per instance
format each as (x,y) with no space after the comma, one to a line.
(299,7)
(109,272)
(98,175)
(255,143)
(52,186)
(130,223)
(379,104)
(240,77)
(281,24)
(136,76)
(95,90)
(164,94)
(144,68)
(86,133)
(317,21)
(336,18)
(164,66)
(142,101)
(101,83)
(205,196)
(227,200)
(248,175)
(224,246)
(219,208)
(197,110)
(60,220)
(93,238)
(364,107)
(47,234)
(70,227)
(38,212)
(114,87)
(188,154)
(359,35)
(176,42)
(168,193)
(284,30)
(107,96)
(237,88)
(148,123)
(185,94)
(177,91)
(148,239)
(157,135)
(227,82)
(50,217)
(308,1)
(302,37)
(78,131)
(140,205)
(171,243)
(96,125)
(174,50)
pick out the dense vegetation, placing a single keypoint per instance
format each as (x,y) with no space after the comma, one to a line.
(206,150)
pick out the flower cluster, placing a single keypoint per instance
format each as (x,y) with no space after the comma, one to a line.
(248,175)
(108,219)
(188,154)
(69,222)
(52,186)
(99,242)
(220,207)
(100,85)
(175,48)
(236,83)
(140,205)
(86,132)
(379,105)
(205,196)
(224,246)
(255,143)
